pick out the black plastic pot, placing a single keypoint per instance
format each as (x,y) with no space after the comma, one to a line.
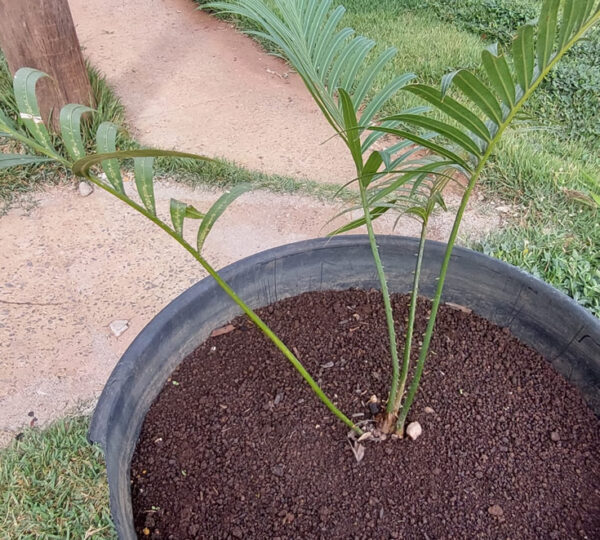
(542,317)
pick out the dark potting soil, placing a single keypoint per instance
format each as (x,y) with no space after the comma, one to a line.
(237,446)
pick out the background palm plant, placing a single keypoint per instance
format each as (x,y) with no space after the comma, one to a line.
(408,176)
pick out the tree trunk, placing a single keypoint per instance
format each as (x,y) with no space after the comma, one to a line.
(40,34)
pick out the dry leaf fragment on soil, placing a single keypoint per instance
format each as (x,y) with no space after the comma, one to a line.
(357,449)
(458,307)
(365,436)
(223,330)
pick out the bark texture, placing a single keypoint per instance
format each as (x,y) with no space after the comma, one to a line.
(41,34)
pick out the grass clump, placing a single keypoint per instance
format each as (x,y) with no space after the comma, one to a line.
(454,47)
(571,95)
(550,256)
(53,485)
(493,20)
(555,233)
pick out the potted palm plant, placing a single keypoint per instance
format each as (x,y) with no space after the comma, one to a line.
(186,480)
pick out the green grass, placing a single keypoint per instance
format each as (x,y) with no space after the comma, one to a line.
(554,236)
(549,253)
(493,20)
(408,31)
(53,486)
(570,97)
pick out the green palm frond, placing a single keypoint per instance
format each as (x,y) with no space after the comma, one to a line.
(70,128)
(24,84)
(35,135)
(327,57)
(106,142)
(336,66)
(103,170)
(144,181)
(415,190)
(15,160)
(486,108)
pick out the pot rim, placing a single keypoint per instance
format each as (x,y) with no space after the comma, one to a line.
(564,332)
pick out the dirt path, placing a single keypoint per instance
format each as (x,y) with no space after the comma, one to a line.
(191,82)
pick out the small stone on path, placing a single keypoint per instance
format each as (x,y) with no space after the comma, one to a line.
(85,189)
(119,326)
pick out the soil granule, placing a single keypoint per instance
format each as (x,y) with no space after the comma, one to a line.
(237,446)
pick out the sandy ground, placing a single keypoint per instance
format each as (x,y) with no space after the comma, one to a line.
(71,266)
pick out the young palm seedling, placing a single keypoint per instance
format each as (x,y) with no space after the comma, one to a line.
(427,151)
(331,63)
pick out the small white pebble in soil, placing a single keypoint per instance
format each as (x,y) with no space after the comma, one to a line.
(555,436)
(414,430)
(429,410)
